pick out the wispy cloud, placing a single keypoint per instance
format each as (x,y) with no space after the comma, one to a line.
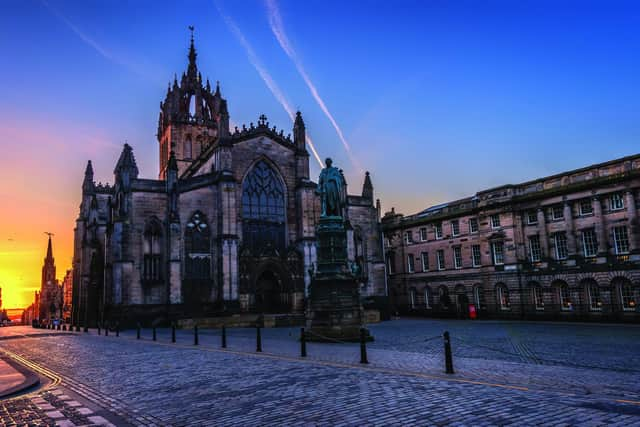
(277,27)
(264,74)
(116,59)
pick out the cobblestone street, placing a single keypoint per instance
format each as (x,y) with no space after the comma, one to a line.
(124,381)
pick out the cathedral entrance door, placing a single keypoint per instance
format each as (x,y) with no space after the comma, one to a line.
(269,293)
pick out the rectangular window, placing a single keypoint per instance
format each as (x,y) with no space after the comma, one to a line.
(410,263)
(589,242)
(407,237)
(424,256)
(475,253)
(621,240)
(440,255)
(560,240)
(387,243)
(586,208)
(616,202)
(537,297)
(391,264)
(564,297)
(557,212)
(534,248)
(532,217)
(455,227)
(495,221)
(473,225)
(627,298)
(595,300)
(497,250)
(457,257)
(438,228)
(423,234)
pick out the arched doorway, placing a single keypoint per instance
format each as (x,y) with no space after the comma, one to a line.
(270,296)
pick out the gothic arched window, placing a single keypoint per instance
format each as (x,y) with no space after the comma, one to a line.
(187,149)
(152,251)
(197,248)
(263,215)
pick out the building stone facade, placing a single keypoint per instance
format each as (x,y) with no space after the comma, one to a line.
(49,299)
(564,247)
(228,226)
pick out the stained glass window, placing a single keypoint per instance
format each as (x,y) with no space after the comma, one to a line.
(197,248)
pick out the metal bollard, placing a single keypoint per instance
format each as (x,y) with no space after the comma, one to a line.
(224,337)
(106,330)
(78,327)
(64,327)
(363,346)
(98,326)
(258,340)
(117,329)
(195,334)
(138,331)
(173,332)
(154,333)
(448,360)
(59,327)
(86,328)
(303,343)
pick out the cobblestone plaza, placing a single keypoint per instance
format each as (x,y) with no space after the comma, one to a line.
(506,373)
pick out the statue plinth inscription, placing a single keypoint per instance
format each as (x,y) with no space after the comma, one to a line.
(334,312)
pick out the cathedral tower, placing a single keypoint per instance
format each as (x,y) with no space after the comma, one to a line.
(192,116)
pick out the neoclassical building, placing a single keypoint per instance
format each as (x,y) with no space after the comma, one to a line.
(560,247)
(228,226)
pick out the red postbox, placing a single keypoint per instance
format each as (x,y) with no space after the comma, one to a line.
(473,314)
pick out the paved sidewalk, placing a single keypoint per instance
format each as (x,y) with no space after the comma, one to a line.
(10,379)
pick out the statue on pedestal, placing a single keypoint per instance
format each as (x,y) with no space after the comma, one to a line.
(331,190)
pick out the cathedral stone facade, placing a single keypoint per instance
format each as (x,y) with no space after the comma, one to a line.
(228,227)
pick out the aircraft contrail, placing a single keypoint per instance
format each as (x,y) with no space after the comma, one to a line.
(277,27)
(264,74)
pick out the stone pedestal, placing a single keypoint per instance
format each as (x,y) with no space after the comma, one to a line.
(334,312)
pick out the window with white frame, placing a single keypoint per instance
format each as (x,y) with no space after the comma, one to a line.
(495,221)
(475,255)
(473,225)
(423,234)
(455,227)
(557,212)
(412,298)
(616,202)
(497,250)
(438,229)
(589,243)
(424,257)
(534,248)
(532,217)
(427,298)
(478,294)
(538,299)
(620,240)
(502,294)
(560,240)
(457,257)
(410,263)
(440,257)
(564,298)
(408,237)
(391,263)
(595,299)
(586,208)
(627,297)
(387,242)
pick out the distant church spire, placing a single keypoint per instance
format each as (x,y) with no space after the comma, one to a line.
(192,55)
(367,187)
(87,184)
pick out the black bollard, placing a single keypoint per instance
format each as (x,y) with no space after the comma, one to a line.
(64,327)
(448,360)
(258,340)
(138,331)
(78,327)
(154,333)
(59,327)
(86,328)
(195,334)
(224,337)
(98,326)
(106,330)
(173,332)
(303,343)
(363,346)
(117,329)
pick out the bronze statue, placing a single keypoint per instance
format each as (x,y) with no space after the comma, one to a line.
(331,190)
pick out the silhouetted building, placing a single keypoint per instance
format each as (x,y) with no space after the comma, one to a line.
(228,227)
(565,246)
(50,296)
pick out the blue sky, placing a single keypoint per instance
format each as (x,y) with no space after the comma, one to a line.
(438,99)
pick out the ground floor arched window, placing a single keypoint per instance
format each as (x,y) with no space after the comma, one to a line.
(537,296)
(427,298)
(412,298)
(478,296)
(594,296)
(625,293)
(502,295)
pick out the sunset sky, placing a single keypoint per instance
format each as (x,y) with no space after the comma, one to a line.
(438,99)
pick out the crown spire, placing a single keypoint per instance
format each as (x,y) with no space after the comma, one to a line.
(192,52)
